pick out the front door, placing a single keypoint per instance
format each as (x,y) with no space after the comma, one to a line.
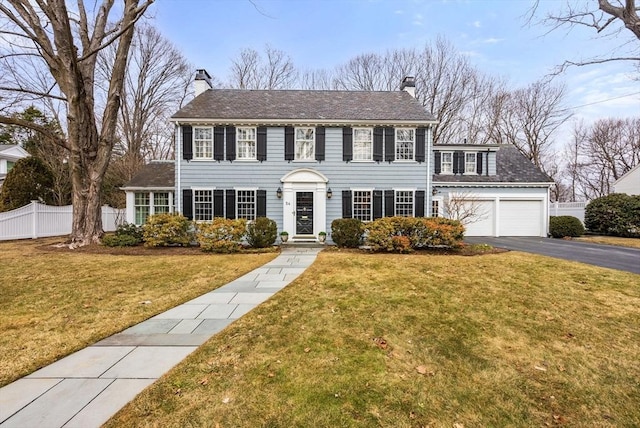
(304,213)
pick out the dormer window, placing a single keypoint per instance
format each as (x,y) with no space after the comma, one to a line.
(446,163)
(470,163)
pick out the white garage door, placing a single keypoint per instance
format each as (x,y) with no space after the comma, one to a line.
(520,218)
(483,222)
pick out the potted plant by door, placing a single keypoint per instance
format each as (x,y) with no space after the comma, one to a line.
(284,236)
(322,236)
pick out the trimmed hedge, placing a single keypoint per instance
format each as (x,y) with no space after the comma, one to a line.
(221,235)
(164,230)
(405,234)
(262,232)
(565,226)
(347,232)
(617,214)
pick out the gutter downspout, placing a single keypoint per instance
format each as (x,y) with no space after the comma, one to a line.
(428,162)
(178,152)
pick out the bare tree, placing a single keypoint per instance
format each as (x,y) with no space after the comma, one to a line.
(464,207)
(45,37)
(251,71)
(608,18)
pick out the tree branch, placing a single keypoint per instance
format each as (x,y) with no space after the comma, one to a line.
(48,133)
(31,92)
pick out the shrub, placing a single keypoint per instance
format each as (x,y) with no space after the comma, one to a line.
(418,232)
(119,241)
(221,235)
(347,232)
(262,232)
(617,214)
(163,230)
(29,180)
(565,225)
(130,229)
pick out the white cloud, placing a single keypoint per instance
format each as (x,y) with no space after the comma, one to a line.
(491,41)
(399,12)
(477,24)
(417,19)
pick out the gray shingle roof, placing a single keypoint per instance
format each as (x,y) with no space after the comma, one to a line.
(315,106)
(154,175)
(511,167)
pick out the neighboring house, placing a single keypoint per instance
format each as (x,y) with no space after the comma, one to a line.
(629,183)
(305,158)
(9,155)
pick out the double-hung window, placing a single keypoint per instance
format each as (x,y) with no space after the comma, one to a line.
(470,163)
(362,205)
(161,203)
(142,207)
(446,163)
(203,142)
(363,144)
(246,143)
(246,204)
(405,144)
(404,203)
(203,205)
(435,208)
(305,144)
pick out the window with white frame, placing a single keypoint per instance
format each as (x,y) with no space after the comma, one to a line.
(202,142)
(142,207)
(10,165)
(203,205)
(470,163)
(435,208)
(305,144)
(446,163)
(404,203)
(362,205)
(405,143)
(246,204)
(246,143)
(362,144)
(161,203)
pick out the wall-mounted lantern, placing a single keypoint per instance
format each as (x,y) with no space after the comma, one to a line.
(279,193)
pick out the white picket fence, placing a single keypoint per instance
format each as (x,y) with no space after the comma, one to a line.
(37,220)
(575,209)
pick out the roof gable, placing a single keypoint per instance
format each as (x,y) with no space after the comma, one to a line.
(300,105)
(12,152)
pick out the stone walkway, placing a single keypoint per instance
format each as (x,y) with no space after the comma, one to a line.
(88,387)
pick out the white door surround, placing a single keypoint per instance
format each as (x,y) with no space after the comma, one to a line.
(304,180)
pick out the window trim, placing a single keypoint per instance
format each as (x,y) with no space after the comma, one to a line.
(353,144)
(255,201)
(413,201)
(438,202)
(442,163)
(353,203)
(413,147)
(193,203)
(255,144)
(209,142)
(151,203)
(467,163)
(312,158)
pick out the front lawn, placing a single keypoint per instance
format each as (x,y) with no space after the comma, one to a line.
(55,301)
(611,240)
(363,340)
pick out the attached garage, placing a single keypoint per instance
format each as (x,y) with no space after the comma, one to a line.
(484,223)
(520,218)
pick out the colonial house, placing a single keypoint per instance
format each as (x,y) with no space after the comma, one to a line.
(304,158)
(9,155)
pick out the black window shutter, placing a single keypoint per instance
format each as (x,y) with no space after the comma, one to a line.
(389,203)
(377,204)
(389,144)
(187,203)
(479,163)
(320,143)
(218,143)
(218,203)
(458,162)
(346,204)
(419,203)
(420,144)
(261,149)
(187,142)
(377,144)
(231,143)
(261,197)
(436,162)
(347,144)
(289,149)
(231,203)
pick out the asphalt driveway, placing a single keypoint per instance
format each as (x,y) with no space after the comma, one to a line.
(621,258)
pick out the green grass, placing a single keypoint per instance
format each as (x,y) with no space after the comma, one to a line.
(361,340)
(55,302)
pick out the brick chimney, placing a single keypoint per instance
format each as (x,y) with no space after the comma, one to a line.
(409,85)
(202,82)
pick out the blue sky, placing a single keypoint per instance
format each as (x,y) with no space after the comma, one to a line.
(327,33)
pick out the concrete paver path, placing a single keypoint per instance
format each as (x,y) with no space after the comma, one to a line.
(86,388)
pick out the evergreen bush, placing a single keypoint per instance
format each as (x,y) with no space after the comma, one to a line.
(565,226)
(617,214)
(221,235)
(164,230)
(347,232)
(262,232)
